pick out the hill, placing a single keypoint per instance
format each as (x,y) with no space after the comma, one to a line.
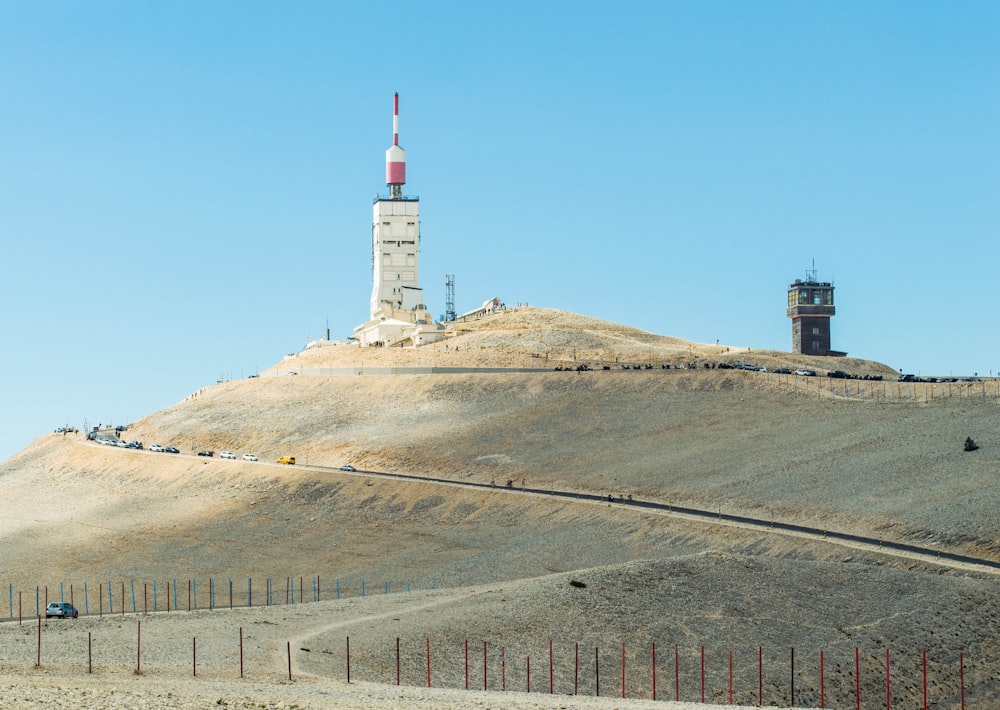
(873,457)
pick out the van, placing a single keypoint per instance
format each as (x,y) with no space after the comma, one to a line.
(287,460)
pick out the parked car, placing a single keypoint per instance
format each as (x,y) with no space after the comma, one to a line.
(805,373)
(63,610)
(839,375)
(227,455)
(249,457)
(908,378)
(782,371)
(288,460)
(156,447)
(348,467)
(206,453)
(172,450)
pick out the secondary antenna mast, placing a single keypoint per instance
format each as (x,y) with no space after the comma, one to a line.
(449,297)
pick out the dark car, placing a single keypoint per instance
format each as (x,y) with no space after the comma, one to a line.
(838,374)
(206,453)
(172,450)
(782,371)
(62,610)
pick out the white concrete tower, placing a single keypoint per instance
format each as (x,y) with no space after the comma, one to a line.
(398,314)
(396,236)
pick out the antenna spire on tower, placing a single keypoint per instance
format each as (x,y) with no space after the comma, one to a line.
(395,157)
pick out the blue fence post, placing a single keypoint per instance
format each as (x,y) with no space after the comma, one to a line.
(270,590)
(111,599)
(154,595)
(315,589)
(86,599)
(407,586)
(133,597)
(292,583)
(230,592)
(61,597)
(338,589)
(211,593)
(362,587)
(386,587)
(12,600)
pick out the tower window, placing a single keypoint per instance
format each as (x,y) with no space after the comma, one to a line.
(815,331)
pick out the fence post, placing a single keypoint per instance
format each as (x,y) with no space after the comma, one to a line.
(597,673)
(194,656)
(703,677)
(138,647)
(793,675)
(241,652)
(428,662)
(397,660)
(484,665)
(888,685)
(466,664)
(677,673)
(86,600)
(348,660)
(550,667)
(654,670)
(822,685)
(38,663)
(760,676)
(857,678)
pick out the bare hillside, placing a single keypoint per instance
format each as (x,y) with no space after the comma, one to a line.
(861,456)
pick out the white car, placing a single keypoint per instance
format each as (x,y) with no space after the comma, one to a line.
(249,457)
(156,447)
(227,455)
(348,467)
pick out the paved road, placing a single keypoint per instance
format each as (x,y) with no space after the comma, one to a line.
(889,547)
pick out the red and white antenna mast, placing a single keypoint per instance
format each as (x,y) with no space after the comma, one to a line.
(395,157)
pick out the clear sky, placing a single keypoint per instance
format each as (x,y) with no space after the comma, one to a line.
(186,187)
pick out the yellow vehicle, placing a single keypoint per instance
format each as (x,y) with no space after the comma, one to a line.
(287,460)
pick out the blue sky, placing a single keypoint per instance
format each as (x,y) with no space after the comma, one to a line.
(185,187)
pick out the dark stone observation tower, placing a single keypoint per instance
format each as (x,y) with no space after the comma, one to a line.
(810,306)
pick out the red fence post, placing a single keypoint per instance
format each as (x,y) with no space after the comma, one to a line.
(348,660)
(703,674)
(961,676)
(888,686)
(822,685)
(597,673)
(857,678)
(925,679)
(288,646)
(760,676)
(241,652)
(654,670)
(793,675)
(138,647)
(466,664)
(484,665)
